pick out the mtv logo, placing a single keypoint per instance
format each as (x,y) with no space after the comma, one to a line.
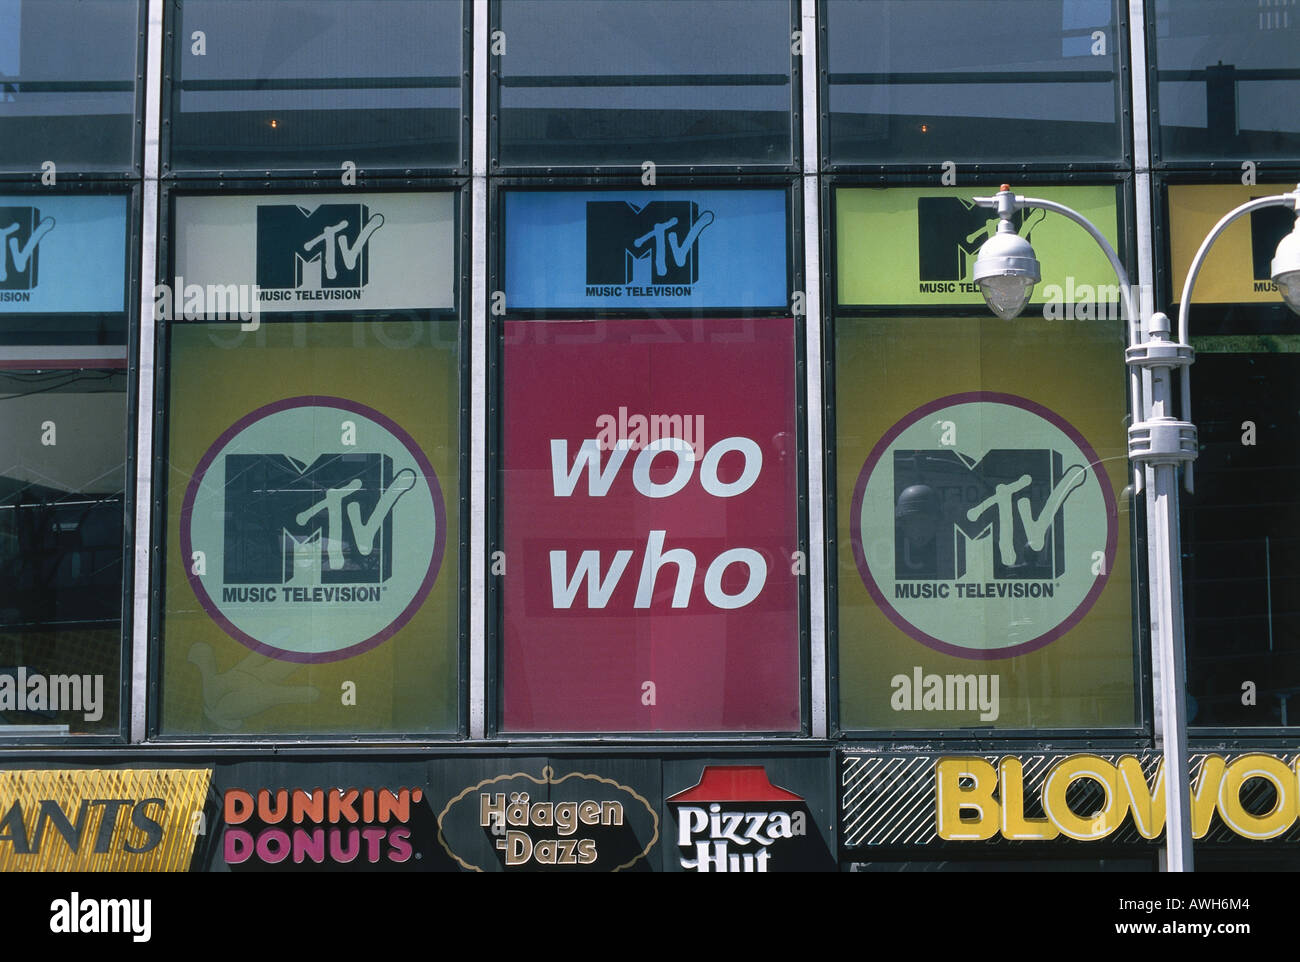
(325,247)
(999,517)
(1267,228)
(950,231)
(21,230)
(330,522)
(652,244)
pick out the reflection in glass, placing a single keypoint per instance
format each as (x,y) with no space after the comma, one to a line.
(62,496)
(308,83)
(1241,534)
(67,83)
(969,81)
(623,83)
(1228,79)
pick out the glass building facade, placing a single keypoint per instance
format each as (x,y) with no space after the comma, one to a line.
(438,401)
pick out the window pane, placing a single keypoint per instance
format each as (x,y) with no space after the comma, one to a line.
(312,528)
(649,492)
(1237,274)
(917,246)
(63,271)
(665,249)
(1241,549)
(312,83)
(927,81)
(315,252)
(957,608)
(67,84)
(623,83)
(62,495)
(1228,79)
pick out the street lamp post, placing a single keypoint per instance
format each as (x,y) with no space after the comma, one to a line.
(1006,271)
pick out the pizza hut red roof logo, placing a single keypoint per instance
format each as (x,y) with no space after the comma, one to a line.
(734,819)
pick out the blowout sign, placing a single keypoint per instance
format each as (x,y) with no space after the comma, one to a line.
(995,506)
(1049,796)
(314,252)
(664,249)
(62,254)
(311,510)
(1238,269)
(321,526)
(651,566)
(917,246)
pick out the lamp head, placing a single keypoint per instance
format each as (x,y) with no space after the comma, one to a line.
(1006,269)
(1286,267)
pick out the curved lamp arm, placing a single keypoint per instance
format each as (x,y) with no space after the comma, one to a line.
(1184,305)
(1126,291)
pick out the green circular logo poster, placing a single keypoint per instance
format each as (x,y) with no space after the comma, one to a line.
(983,525)
(313,528)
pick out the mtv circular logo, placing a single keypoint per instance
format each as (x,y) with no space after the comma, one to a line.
(983,525)
(313,529)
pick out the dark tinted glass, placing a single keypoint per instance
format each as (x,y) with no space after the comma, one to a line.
(1241,534)
(67,83)
(62,484)
(925,81)
(1228,79)
(312,83)
(697,81)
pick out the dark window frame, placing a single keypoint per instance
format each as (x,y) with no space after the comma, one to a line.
(130,365)
(494,633)
(1044,177)
(458,315)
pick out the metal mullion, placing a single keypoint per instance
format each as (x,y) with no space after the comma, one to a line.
(144,494)
(815,446)
(478,493)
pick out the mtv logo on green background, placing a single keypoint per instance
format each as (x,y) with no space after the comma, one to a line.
(914,246)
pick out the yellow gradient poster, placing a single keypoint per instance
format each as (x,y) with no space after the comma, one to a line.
(983,522)
(311,579)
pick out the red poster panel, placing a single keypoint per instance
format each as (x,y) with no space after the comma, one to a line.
(651,570)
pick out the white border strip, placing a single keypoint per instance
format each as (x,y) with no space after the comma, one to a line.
(817,533)
(478,532)
(145,393)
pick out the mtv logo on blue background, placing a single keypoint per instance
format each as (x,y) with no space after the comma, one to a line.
(1007,506)
(662,249)
(21,231)
(326,247)
(65,254)
(654,244)
(330,522)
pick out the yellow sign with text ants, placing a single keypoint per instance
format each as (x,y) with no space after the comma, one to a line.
(100,820)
